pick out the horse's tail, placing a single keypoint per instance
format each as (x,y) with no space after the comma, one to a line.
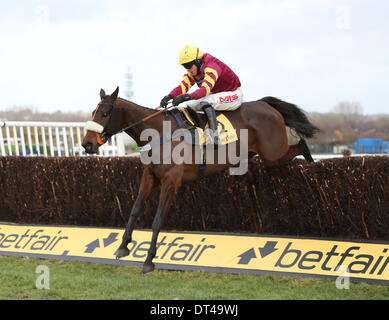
(294,117)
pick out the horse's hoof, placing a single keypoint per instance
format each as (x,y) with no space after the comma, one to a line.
(147,268)
(122,252)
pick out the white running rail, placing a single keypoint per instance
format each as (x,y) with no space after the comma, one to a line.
(32,138)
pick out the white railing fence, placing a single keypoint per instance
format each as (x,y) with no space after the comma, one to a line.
(30,138)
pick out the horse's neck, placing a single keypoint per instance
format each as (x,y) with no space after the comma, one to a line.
(134,113)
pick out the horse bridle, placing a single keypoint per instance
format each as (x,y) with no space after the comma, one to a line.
(102,136)
(97,127)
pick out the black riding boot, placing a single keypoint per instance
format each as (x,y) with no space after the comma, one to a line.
(211,115)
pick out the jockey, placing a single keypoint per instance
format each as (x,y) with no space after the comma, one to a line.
(219,86)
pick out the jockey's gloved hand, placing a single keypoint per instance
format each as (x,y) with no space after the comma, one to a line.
(181,99)
(165,100)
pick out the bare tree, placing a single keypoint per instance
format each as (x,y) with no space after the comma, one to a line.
(351,111)
(349,108)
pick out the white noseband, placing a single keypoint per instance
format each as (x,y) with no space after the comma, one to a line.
(94,126)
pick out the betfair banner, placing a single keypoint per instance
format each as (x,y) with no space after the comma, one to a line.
(235,253)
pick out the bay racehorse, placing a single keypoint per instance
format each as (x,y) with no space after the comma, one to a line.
(265,123)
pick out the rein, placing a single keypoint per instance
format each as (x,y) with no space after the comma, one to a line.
(144,119)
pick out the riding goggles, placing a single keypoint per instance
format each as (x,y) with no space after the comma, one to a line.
(188,65)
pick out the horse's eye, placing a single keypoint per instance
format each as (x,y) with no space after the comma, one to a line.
(105,114)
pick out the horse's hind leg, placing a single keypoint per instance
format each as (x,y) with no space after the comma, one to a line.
(304,150)
(295,150)
(147,185)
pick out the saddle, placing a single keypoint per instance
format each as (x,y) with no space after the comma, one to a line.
(196,123)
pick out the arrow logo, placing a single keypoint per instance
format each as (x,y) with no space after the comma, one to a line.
(269,247)
(90,247)
(110,239)
(247,256)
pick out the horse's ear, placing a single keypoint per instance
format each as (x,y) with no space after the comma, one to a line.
(114,94)
(102,94)
(115,123)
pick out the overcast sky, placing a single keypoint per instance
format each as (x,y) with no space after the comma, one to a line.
(56,55)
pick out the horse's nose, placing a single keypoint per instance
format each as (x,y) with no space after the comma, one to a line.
(88,147)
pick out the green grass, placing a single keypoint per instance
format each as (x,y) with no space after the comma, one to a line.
(83,280)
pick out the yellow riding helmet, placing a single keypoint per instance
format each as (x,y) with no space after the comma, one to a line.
(189,53)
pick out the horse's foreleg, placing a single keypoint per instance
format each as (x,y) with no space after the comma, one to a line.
(147,185)
(166,198)
(169,188)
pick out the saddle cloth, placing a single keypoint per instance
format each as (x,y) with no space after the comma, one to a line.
(189,119)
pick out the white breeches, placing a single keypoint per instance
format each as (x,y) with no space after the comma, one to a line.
(223,101)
